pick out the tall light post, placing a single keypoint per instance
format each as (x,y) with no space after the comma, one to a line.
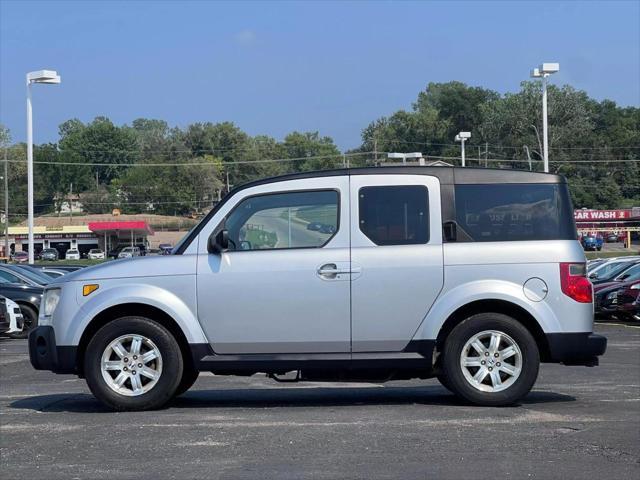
(543,72)
(41,76)
(463,137)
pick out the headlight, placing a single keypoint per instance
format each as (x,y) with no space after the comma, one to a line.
(612,295)
(50,301)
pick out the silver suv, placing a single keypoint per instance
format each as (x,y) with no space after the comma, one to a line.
(473,276)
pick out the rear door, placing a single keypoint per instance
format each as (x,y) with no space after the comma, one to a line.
(396,258)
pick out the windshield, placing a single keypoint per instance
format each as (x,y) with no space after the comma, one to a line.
(93,250)
(630,274)
(611,270)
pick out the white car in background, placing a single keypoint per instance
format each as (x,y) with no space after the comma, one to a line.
(96,254)
(16,320)
(128,252)
(72,254)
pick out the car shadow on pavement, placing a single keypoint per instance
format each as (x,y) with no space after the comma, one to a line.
(281,397)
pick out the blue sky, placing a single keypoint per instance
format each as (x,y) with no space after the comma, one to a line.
(272,68)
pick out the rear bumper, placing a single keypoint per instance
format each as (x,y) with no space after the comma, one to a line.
(46,355)
(576,348)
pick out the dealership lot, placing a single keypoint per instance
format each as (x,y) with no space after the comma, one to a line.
(577,422)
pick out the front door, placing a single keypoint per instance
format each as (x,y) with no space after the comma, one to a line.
(396,240)
(283,286)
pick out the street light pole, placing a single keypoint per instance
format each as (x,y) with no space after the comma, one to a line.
(41,76)
(6,203)
(29,173)
(545,128)
(543,72)
(463,137)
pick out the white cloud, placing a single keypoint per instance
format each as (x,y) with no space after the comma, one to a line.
(245,37)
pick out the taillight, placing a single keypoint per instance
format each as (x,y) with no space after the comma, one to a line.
(574,282)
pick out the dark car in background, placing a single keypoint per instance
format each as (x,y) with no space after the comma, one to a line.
(28,299)
(49,254)
(165,248)
(606,293)
(23,276)
(114,252)
(608,271)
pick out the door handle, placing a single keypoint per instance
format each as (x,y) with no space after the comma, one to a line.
(330,270)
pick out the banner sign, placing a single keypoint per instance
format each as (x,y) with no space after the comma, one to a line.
(599,215)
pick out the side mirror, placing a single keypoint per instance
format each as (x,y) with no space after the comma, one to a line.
(593,275)
(450,231)
(219,242)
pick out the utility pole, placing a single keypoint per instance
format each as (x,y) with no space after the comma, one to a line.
(70,203)
(486,154)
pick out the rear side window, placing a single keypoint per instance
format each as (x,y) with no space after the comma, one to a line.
(395,215)
(512,212)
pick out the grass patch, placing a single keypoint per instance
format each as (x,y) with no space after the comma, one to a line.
(594,255)
(84,261)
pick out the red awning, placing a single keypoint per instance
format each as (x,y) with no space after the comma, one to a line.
(139,227)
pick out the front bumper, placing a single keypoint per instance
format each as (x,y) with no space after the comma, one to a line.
(582,348)
(46,355)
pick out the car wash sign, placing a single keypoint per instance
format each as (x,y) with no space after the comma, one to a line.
(601,215)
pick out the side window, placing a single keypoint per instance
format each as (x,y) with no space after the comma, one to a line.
(9,277)
(394,215)
(499,213)
(284,220)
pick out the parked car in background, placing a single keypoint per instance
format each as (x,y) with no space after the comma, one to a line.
(608,271)
(72,254)
(49,272)
(19,275)
(62,268)
(628,301)
(165,248)
(128,252)
(592,242)
(612,238)
(49,254)
(16,319)
(53,273)
(114,252)
(4,317)
(96,254)
(28,299)
(20,257)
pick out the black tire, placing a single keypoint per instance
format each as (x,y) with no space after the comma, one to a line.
(463,332)
(172,364)
(445,382)
(30,316)
(189,377)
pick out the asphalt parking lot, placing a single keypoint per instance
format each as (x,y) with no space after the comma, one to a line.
(577,423)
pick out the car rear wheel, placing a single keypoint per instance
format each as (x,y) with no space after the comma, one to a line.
(490,359)
(133,363)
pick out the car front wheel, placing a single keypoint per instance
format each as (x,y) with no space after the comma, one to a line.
(133,363)
(490,359)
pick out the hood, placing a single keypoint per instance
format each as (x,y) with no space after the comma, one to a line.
(134,267)
(16,287)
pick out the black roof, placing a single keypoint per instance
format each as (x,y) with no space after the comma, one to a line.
(446,175)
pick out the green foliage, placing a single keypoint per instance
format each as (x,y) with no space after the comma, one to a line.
(149,167)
